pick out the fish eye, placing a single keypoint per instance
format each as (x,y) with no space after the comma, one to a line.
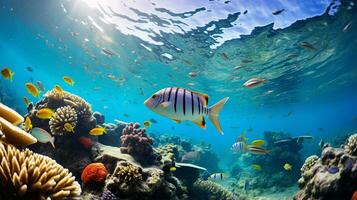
(154,96)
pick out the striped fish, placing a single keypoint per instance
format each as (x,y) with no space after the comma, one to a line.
(181,104)
(217,176)
(257,150)
(239,146)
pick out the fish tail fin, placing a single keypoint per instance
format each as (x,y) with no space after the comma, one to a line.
(214,113)
(52,141)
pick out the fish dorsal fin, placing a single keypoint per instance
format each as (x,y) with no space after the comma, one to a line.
(203,97)
(200,122)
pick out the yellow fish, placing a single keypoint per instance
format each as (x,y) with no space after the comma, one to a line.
(287,167)
(172,169)
(258,142)
(68,127)
(28,124)
(45,113)
(180,104)
(97,131)
(7,74)
(147,123)
(257,167)
(58,88)
(32,89)
(68,80)
(26,100)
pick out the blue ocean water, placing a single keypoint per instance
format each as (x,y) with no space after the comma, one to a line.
(156,44)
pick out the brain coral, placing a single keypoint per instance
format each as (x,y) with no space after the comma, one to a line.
(309,162)
(127,173)
(27,175)
(94,172)
(63,115)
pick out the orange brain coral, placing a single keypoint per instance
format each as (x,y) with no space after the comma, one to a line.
(94,172)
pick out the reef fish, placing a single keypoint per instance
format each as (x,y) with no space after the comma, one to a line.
(172,169)
(43,136)
(153,120)
(239,146)
(68,80)
(45,113)
(333,169)
(253,82)
(147,123)
(58,88)
(180,104)
(307,45)
(86,142)
(287,166)
(348,26)
(191,156)
(7,74)
(278,12)
(28,124)
(68,127)
(217,176)
(40,86)
(257,150)
(258,142)
(97,131)
(26,100)
(256,167)
(32,89)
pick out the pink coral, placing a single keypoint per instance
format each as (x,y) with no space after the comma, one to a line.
(136,142)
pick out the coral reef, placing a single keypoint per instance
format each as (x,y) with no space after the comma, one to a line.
(114,131)
(94,172)
(332,176)
(137,143)
(210,190)
(27,175)
(351,145)
(63,115)
(169,153)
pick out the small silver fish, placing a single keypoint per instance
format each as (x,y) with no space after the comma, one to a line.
(254,82)
(348,26)
(217,176)
(107,52)
(40,86)
(239,146)
(43,136)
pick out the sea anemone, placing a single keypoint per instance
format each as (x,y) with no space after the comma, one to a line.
(94,173)
(63,115)
(27,175)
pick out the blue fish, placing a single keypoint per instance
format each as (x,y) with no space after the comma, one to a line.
(239,146)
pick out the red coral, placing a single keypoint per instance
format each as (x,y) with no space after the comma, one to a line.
(94,172)
(86,142)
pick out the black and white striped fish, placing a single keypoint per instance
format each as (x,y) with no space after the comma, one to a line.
(181,104)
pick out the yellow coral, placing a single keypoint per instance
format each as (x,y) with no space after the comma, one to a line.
(128,173)
(63,115)
(309,162)
(168,153)
(351,145)
(27,175)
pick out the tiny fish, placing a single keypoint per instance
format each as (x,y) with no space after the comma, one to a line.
(86,142)
(32,89)
(181,104)
(153,120)
(27,101)
(68,80)
(172,169)
(45,113)
(239,146)
(278,12)
(236,68)
(97,131)
(7,74)
(347,27)
(192,74)
(29,69)
(258,142)
(287,166)
(307,45)
(217,176)
(257,150)
(58,88)
(224,56)
(256,167)
(43,136)
(40,86)
(147,123)
(107,52)
(68,127)
(28,124)
(245,12)
(253,82)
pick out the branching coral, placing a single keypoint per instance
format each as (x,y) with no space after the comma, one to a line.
(210,190)
(351,145)
(27,175)
(136,142)
(63,115)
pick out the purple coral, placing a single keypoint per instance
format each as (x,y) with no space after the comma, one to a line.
(136,142)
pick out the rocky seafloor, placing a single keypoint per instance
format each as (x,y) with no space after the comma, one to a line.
(127,163)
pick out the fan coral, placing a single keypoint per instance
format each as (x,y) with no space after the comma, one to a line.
(136,142)
(351,145)
(210,190)
(28,175)
(94,172)
(309,162)
(63,115)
